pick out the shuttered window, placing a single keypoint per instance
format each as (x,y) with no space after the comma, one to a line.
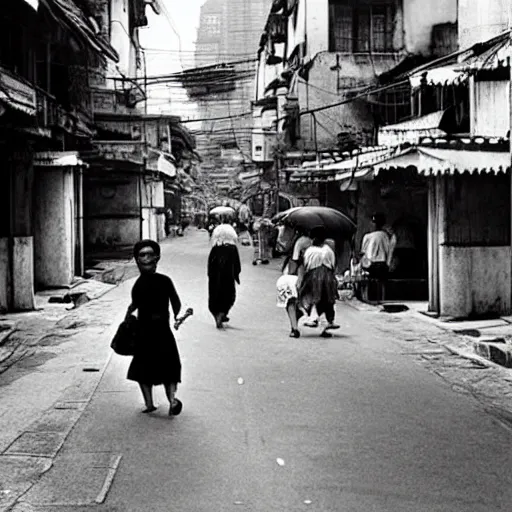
(361,28)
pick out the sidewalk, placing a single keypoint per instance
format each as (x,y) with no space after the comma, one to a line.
(486,341)
(56,356)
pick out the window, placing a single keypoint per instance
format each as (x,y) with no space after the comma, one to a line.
(362,28)
(212,25)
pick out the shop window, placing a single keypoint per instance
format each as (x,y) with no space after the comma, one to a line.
(362,28)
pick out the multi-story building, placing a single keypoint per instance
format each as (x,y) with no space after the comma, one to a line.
(133,154)
(47,48)
(228,33)
(404,107)
(323,90)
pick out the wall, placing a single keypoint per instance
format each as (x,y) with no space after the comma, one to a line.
(420,16)
(120,39)
(111,209)
(54,227)
(480,20)
(326,85)
(489,107)
(5,275)
(316,13)
(474,281)
(152,199)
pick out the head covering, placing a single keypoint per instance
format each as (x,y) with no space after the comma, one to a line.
(379,219)
(224,234)
(318,233)
(146,243)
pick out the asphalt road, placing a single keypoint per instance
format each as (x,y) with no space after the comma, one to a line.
(275,424)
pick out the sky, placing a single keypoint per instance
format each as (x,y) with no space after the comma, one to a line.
(169,47)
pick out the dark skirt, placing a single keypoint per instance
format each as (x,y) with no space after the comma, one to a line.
(318,288)
(221,294)
(156,360)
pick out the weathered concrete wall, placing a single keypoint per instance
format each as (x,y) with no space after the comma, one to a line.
(111,209)
(419,17)
(325,85)
(120,39)
(54,227)
(480,20)
(317,26)
(474,280)
(490,111)
(5,275)
(23,273)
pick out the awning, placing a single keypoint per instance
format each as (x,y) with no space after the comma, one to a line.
(360,166)
(411,130)
(446,75)
(166,167)
(33,3)
(435,161)
(17,94)
(486,55)
(57,159)
(69,14)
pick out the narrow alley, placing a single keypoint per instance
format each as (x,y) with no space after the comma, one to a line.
(269,423)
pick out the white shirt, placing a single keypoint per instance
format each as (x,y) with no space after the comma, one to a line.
(376,247)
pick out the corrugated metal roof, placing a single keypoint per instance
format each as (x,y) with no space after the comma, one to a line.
(435,161)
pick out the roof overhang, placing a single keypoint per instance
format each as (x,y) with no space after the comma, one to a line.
(430,161)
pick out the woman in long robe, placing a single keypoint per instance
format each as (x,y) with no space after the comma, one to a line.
(223,272)
(156,360)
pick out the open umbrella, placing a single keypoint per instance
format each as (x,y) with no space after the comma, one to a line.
(337,224)
(222,210)
(278,217)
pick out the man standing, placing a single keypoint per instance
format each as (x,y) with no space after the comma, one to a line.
(376,253)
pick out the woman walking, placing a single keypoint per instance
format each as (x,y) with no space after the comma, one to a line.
(287,284)
(223,271)
(319,288)
(156,360)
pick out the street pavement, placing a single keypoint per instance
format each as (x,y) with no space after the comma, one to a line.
(388,415)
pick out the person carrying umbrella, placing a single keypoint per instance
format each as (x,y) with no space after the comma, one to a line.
(319,288)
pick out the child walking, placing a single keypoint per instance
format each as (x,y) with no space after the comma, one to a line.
(156,360)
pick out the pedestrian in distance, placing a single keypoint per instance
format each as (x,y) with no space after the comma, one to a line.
(319,288)
(156,360)
(376,253)
(223,272)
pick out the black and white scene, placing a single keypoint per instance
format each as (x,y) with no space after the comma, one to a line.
(255,256)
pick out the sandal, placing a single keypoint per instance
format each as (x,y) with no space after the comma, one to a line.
(176,407)
(295,333)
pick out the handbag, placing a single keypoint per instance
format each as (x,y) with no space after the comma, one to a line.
(126,338)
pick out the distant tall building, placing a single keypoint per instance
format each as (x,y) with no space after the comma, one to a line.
(229,32)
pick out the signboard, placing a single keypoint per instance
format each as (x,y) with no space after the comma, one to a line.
(57,159)
(127,151)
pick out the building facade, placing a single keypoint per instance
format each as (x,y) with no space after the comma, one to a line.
(47,49)
(228,33)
